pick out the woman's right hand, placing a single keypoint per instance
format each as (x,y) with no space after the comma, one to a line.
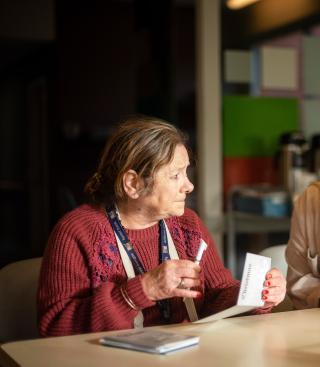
(173,278)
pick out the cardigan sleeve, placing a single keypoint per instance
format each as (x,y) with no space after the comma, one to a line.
(221,289)
(68,303)
(302,253)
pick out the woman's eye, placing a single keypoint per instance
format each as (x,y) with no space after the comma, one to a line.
(176,176)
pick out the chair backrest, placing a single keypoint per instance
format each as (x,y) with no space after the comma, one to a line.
(277,254)
(278,260)
(18,311)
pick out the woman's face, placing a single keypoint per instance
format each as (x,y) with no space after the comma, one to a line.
(171,185)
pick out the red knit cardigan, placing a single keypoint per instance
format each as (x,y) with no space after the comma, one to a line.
(79,287)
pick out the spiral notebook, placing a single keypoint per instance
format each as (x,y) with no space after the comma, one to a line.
(150,340)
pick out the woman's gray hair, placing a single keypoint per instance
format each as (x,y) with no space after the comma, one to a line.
(141,143)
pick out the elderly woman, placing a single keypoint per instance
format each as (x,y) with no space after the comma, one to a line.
(126,259)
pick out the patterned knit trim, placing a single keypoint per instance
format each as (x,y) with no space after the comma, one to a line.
(186,234)
(105,260)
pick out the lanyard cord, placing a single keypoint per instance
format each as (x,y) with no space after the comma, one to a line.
(137,265)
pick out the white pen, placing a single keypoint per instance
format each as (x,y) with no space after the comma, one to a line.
(203,246)
(192,312)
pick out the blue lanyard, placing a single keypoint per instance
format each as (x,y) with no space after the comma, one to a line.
(137,265)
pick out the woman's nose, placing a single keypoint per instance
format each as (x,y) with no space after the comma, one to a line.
(189,186)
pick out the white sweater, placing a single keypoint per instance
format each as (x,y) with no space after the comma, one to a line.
(303,251)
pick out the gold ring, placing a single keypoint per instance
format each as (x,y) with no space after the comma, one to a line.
(181,284)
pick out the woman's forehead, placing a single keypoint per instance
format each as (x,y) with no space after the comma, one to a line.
(180,158)
(180,155)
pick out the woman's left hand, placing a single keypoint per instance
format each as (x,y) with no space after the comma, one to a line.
(274,288)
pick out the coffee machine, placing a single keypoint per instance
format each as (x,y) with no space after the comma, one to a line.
(293,161)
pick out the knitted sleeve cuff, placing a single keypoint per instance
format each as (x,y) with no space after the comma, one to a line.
(135,292)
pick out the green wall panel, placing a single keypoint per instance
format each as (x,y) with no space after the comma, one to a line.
(252,125)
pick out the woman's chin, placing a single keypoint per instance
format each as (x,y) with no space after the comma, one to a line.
(179,211)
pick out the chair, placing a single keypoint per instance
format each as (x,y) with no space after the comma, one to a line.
(278,260)
(18,288)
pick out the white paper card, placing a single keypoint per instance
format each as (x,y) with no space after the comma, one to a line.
(253,276)
(249,298)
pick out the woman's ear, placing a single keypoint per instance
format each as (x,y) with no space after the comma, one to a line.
(132,184)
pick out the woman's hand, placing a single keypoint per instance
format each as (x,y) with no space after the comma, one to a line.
(173,278)
(274,288)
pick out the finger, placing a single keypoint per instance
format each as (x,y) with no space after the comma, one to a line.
(272,301)
(274,273)
(181,268)
(162,281)
(275,282)
(274,295)
(184,270)
(273,292)
(274,276)
(188,293)
(187,273)
(167,273)
(185,264)
(190,283)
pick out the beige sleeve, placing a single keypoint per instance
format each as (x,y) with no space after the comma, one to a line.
(303,250)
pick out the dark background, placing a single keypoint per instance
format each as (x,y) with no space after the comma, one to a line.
(70,71)
(62,88)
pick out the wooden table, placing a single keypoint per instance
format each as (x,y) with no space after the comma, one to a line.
(278,339)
